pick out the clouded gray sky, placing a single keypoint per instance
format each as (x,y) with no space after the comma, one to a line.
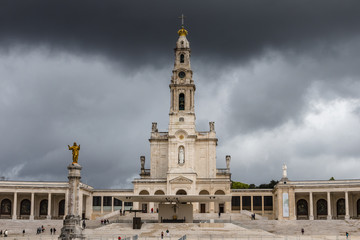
(281,79)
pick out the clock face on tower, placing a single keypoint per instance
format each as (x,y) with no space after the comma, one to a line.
(181,74)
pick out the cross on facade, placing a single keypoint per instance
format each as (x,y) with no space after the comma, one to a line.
(182,19)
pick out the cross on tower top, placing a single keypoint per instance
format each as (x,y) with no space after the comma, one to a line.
(182,17)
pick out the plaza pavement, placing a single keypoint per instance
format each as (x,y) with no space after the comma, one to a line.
(229,226)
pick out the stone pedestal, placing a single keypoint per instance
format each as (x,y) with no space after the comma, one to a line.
(72,229)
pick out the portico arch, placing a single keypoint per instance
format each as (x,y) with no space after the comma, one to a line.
(219,192)
(302,210)
(358,207)
(5,207)
(159,192)
(204,192)
(181,192)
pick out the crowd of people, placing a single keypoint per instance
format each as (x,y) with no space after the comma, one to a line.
(4,233)
(105,221)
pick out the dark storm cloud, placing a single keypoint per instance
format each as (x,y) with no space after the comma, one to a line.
(97,72)
(141,32)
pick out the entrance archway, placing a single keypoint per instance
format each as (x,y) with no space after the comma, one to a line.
(203,206)
(221,205)
(144,206)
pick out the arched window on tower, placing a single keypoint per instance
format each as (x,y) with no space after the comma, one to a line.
(182,58)
(181,101)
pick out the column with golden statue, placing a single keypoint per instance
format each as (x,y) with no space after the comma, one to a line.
(72,229)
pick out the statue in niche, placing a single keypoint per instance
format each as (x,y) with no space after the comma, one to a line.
(181,155)
(75,152)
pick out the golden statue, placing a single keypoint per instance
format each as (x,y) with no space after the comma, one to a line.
(75,152)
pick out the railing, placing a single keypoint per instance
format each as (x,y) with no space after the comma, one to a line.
(222,171)
(145,172)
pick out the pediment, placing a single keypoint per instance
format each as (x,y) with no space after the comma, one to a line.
(181,179)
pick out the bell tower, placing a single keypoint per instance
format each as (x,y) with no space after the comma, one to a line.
(182,87)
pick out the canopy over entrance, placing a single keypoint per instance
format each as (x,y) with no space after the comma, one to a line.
(174,198)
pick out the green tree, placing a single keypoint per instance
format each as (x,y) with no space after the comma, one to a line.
(239,185)
(332,179)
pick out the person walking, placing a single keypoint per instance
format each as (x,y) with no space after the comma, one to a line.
(6,233)
(23,232)
(347,235)
(162,235)
(302,231)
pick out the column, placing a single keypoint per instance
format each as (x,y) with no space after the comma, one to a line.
(280,206)
(311,217)
(122,206)
(329,217)
(262,206)
(240,203)
(112,204)
(66,203)
(212,207)
(347,216)
(89,207)
(49,207)
(102,205)
(81,203)
(14,216)
(252,203)
(32,206)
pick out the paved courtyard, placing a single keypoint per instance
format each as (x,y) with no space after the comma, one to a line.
(229,226)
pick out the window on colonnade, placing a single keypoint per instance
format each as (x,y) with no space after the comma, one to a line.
(302,207)
(235,203)
(246,203)
(321,207)
(43,207)
(257,203)
(25,207)
(5,207)
(268,203)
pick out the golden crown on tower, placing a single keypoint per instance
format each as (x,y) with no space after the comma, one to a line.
(182,32)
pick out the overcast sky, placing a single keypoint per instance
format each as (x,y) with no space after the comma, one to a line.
(280,78)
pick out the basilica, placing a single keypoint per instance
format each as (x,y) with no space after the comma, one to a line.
(183,176)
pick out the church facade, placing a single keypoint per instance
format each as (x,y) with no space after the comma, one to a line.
(183,163)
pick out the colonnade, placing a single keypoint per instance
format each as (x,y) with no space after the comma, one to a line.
(39,205)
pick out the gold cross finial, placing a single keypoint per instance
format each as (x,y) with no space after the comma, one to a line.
(182,19)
